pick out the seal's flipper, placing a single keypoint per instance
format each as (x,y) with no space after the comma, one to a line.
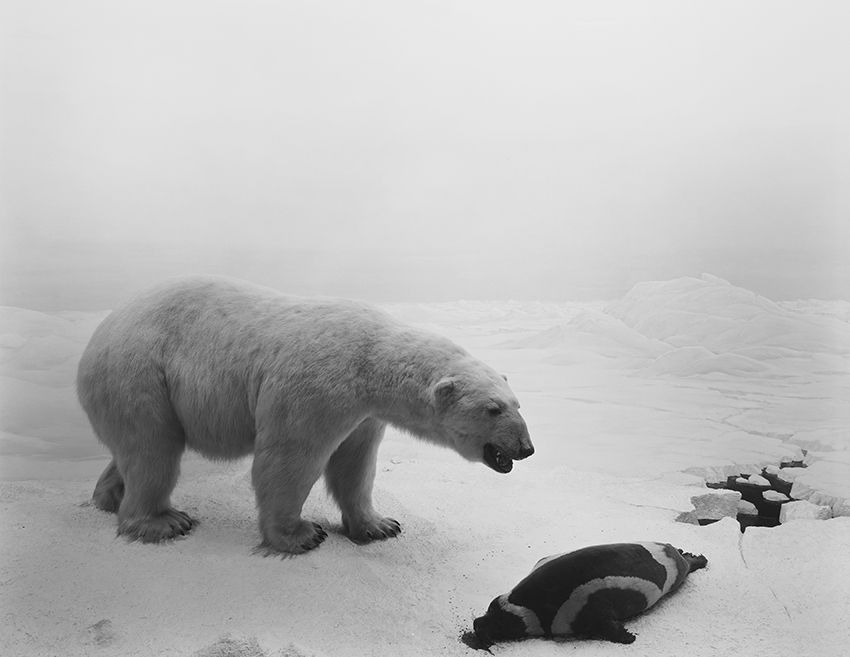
(598,620)
(614,631)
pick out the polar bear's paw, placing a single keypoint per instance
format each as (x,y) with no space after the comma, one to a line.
(169,524)
(307,536)
(373,528)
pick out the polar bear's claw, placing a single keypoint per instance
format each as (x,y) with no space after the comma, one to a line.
(373,529)
(169,524)
(316,540)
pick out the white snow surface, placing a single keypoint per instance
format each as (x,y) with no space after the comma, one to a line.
(630,405)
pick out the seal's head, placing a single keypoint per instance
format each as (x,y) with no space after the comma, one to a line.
(498,624)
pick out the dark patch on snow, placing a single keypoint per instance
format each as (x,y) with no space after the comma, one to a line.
(471,640)
(768,511)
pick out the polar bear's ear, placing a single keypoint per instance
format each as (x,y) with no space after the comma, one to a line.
(444,392)
(505,377)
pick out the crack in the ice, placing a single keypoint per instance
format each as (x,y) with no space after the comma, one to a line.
(769,587)
(643,506)
(744,393)
(748,396)
(741,550)
(764,434)
(753,432)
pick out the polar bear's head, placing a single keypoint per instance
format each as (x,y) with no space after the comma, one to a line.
(478,415)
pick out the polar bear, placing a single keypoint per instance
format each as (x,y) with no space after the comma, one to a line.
(227,368)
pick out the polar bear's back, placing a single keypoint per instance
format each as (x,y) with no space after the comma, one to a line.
(214,302)
(225,313)
(204,347)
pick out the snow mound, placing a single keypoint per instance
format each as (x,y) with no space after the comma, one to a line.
(689,327)
(39,415)
(725,317)
(593,331)
(693,361)
(552,337)
(719,328)
(609,329)
(836,309)
(478,312)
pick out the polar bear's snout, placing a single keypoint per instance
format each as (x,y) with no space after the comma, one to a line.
(525,451)
(525,448)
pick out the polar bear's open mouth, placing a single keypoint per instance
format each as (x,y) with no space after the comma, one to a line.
(496,460)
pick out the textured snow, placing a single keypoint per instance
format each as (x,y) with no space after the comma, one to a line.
(631,404)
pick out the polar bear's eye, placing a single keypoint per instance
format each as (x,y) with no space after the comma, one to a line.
(494,409)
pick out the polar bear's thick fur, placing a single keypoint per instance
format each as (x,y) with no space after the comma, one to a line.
(227,368)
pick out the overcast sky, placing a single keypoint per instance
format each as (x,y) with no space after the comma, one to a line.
(424,149)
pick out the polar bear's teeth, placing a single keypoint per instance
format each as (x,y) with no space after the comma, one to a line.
(496,460)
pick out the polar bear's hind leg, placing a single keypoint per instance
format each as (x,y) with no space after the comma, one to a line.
(109,490)
(145,512)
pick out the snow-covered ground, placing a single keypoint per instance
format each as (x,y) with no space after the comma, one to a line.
(631,405)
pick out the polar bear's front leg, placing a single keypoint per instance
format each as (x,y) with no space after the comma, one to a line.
(349,476)
(282,482)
